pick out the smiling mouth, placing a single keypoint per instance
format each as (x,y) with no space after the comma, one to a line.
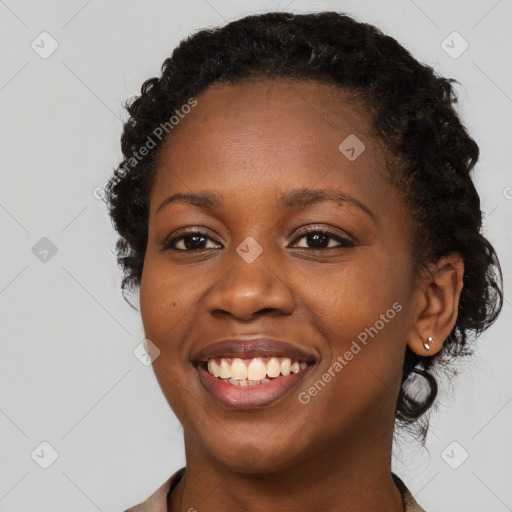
(249,385)
(252,372)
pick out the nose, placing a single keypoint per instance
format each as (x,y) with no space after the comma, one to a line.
(248,290)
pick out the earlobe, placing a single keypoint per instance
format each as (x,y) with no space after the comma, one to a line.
(437,305)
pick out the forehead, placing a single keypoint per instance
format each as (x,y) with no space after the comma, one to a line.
(265,134)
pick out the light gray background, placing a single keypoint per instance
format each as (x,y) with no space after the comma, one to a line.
(68,375)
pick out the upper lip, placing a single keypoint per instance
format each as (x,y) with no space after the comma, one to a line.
(248,348)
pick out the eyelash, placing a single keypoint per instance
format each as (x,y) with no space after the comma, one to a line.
(345,242)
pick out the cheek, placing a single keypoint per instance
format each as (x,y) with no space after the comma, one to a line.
(165,316)
(164,310)
(344,300)
(164,299)
(360,311)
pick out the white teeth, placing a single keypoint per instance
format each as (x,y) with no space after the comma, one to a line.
(257,369)
(285,366)
(244,383)
(295,367)
(225,369)
(250,372)
(238,382)
(274,368)
(238,370)
(213,368)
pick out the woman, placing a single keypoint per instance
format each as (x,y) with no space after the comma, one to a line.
(295,209)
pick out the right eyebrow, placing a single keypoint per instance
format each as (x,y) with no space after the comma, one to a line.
(205,199)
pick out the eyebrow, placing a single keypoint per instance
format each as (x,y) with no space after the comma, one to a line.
(292,200)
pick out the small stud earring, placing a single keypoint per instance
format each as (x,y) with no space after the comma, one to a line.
(426,344)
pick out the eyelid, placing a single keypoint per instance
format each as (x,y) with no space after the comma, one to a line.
(328,229)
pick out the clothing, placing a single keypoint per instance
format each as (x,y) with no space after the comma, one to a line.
(157,502)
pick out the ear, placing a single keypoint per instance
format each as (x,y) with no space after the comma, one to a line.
(436,304)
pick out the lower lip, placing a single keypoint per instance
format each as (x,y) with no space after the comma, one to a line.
(250,397)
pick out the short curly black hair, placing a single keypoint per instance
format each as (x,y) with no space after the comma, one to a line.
(412,109)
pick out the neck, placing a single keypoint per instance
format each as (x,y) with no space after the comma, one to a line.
(349,477)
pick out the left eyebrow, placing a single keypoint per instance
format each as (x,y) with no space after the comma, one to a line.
(304,197)
(292,200)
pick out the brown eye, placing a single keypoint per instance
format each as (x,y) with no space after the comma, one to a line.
(321,239)
(191,241)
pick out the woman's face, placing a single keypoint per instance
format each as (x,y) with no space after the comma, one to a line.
(300,240)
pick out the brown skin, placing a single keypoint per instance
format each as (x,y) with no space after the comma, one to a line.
(252,143)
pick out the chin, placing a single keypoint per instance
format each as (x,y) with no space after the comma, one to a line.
(269,452)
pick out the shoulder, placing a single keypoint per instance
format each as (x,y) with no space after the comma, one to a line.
(157,502)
